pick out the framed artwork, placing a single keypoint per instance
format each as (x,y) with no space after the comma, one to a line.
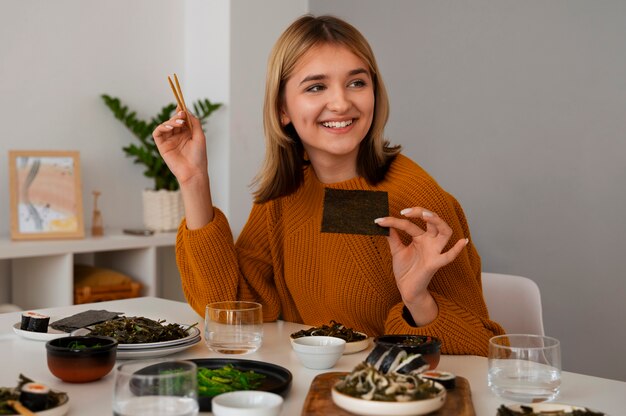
(46,200)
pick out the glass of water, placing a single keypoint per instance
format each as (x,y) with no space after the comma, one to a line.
(160,388)
(233,327)
(525,368)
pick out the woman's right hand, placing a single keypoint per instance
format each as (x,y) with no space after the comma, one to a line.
(185,155)
(183,152)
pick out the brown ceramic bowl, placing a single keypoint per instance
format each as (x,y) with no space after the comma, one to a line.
(428,346)
(79,359)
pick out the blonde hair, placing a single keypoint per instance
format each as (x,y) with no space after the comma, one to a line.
(282,171)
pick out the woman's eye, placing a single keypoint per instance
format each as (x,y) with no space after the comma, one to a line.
(357,83)
(315,88)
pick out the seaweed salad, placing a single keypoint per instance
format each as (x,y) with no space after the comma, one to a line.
(140,330)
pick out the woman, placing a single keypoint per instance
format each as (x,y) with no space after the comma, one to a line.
(324,115)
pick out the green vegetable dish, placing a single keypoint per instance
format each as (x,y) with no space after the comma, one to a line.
(140,330)
(335,329)
(212,382)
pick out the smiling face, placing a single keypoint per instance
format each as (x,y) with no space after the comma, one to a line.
(329,98)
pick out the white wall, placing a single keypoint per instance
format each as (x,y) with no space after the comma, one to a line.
(517,108)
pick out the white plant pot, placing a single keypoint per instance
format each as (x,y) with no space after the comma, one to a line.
(162,210)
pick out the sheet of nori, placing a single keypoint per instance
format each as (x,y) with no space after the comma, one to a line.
(84,319)
(354,211)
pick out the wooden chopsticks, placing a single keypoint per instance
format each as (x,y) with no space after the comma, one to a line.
(178,93)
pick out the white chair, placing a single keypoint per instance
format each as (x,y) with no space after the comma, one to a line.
(514,302)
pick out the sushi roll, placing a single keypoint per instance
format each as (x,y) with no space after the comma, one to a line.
(34,322)
(446,379)
(414,363)
(34,396)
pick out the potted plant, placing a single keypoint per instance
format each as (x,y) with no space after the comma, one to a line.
(162,205)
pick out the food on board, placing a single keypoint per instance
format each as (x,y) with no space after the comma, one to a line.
(446,379)
(34,322)
(389,374)
(335,329)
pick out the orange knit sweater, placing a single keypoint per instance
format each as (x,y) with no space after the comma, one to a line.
(282,260)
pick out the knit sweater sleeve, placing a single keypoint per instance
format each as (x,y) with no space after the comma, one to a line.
(213,268)
(463,322)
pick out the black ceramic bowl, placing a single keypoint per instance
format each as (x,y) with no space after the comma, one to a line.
(428,346)
(82,358)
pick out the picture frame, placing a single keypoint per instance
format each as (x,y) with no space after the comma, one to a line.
(45,195)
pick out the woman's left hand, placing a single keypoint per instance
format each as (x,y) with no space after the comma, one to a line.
(415,264)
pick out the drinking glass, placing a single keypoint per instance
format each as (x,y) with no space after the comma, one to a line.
(525,368)
(160,388)
(233,327)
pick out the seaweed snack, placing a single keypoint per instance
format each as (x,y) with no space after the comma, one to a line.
(225,379)
(354,211)
(528,411)
(31,395)
(139,330)
(335,329)
(34,322)
(83,319)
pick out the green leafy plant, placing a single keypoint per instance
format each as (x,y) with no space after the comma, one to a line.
(146,152)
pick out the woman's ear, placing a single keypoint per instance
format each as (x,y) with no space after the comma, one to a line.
(284,118)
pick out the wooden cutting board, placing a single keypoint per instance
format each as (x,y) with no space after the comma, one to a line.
(320,402)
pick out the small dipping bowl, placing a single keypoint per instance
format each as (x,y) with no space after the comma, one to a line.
(318,352)
(427,346)
(247,403)
(80,359)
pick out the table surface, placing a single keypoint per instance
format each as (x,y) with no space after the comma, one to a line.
(20,355)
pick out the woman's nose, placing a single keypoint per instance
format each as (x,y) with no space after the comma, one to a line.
(339,101)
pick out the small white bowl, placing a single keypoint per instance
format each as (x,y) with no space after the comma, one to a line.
(247,403)
(351,347)
(318,352)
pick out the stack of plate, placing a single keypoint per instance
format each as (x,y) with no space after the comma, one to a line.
(153,349)
(159,349)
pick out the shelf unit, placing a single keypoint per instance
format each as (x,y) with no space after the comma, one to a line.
(42,272)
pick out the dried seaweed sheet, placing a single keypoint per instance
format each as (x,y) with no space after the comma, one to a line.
(354,211)
(84,319)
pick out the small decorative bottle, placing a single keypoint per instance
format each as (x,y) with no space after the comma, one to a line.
(96,223)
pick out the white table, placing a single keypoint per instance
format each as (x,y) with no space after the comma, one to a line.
(28,357)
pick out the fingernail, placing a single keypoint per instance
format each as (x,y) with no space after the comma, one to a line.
(167,126)
(466,241)
(426,214)
(378,220)
(406,211)
(179,121)
(180,113)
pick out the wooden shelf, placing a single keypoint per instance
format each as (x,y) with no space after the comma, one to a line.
(42,272)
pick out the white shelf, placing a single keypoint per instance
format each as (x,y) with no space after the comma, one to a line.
(41,272)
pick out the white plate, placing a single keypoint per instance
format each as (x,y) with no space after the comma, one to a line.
(157,351)
(39,336)
(545,407)
(355,346)
(376,408)
(192,334)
